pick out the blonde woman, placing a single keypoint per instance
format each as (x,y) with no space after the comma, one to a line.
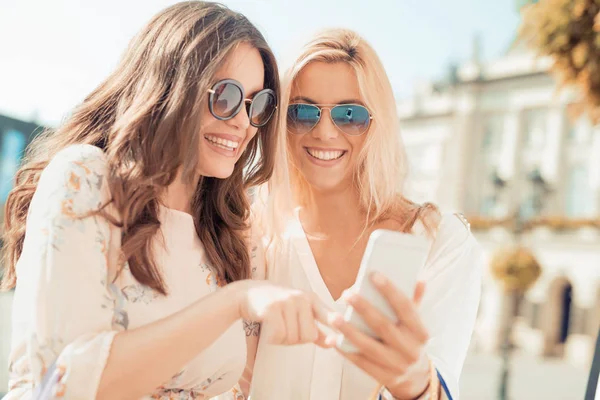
(346,168)
(127,232)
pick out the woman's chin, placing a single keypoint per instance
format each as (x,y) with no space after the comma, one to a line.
(326,182)
(217,171)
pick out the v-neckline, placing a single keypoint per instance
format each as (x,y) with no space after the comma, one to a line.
(309,262)
(310,266)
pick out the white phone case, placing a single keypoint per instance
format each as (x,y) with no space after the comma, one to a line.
(399,257)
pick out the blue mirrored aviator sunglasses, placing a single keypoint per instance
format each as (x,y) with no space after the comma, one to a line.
(227,97)
(352,119)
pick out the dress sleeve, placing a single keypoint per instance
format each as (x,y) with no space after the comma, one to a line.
(452,292)
(63,309)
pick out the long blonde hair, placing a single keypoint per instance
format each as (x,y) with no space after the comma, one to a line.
(146,118)
(383,165)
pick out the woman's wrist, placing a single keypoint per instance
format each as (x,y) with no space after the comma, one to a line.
(415,384)
(238,291)
(410,391)
(424,395)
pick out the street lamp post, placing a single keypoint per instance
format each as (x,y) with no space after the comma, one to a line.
(516,269)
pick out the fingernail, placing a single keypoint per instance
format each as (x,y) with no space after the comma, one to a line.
(331,340)
(351,298)
(378,279)
(345,295)
(335,320)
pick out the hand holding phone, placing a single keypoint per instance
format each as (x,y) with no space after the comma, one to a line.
(397,256)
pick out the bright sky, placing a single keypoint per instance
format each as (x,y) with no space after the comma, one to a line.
(53,52)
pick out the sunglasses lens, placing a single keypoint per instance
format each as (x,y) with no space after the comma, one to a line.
(226,99)
(263,107)
(301,118)
(351,119)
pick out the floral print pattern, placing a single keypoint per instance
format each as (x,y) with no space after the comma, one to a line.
(136,293)
(72,297)
(195,392)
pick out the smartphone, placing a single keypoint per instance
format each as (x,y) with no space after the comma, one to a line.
(399,257)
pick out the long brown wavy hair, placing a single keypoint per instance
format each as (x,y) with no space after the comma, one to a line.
(146,118)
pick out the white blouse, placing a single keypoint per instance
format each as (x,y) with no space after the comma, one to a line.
(70,300)
(306,372)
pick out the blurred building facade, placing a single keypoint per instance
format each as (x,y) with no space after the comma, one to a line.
(506,119)
(15,135)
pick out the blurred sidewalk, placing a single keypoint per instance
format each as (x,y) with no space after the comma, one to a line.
(531,378)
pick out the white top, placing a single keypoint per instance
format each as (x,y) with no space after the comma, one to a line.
(306,372)
(70,301)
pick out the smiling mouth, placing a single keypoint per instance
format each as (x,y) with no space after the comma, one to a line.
(224,144)
(325,155)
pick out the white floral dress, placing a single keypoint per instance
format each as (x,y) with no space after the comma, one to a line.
(71,299)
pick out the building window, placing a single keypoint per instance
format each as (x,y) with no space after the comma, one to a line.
(11,151)
(535,128)
(492,134)
(579,197)
(491,149)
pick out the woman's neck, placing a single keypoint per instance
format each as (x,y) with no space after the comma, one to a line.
(333,211)
(179,194)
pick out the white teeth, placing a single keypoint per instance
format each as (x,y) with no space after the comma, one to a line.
(326,155)
(222,143)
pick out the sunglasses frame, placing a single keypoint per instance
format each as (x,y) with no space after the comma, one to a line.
(329,107)
(211,96)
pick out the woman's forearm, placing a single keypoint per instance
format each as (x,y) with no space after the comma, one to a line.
(142,359)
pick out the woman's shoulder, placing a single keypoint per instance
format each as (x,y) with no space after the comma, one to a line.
(454,240)
(445,229)
(416,219)
(453,224)
(75,178)
(438,224)
(79,156)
